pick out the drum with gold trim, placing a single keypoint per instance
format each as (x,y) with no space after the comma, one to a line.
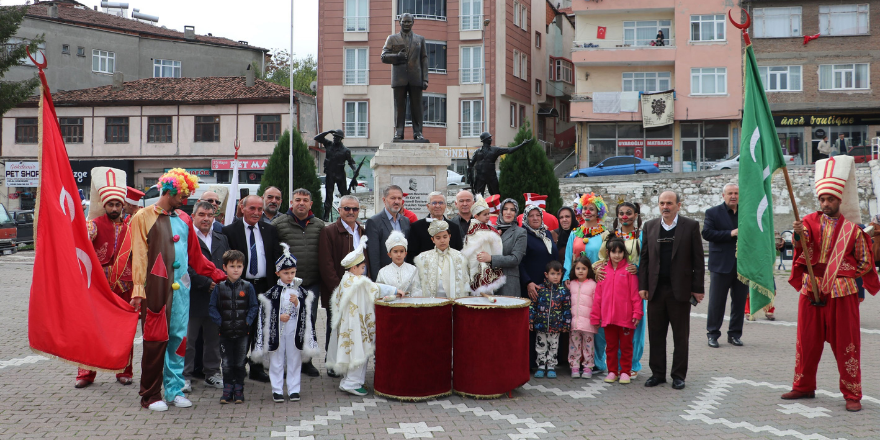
(490,346)
(414,348)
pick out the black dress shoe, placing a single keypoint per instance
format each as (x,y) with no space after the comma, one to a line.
(309,369)
(654,381)
(677,384)
(734,341)
(332,373)
(258,374)
(713,342)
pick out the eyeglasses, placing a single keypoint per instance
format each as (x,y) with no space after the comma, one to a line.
(351,208)
(211,201)
(437,203)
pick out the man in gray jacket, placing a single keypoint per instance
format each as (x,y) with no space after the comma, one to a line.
(300,229)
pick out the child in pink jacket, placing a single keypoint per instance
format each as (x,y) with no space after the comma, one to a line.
(580,347)
(617,307)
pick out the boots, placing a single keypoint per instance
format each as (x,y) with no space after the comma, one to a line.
(258,373)
(238,393)
(227,393)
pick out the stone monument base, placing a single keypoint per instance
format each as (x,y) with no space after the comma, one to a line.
(418,168)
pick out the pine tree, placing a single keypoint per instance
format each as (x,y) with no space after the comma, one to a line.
(277,173)
(529,171)
(14,92)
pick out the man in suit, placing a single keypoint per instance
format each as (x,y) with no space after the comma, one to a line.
(463,201)
(258,241)
(420,240)
(408,54)
(214,199)
(379,227)
(213,245)
(671,271)
(841,145)
(720,230)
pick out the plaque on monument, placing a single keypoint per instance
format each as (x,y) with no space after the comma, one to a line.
(417,189)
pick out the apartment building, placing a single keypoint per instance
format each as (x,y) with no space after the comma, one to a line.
(618,48)
(488,64)
(820,86)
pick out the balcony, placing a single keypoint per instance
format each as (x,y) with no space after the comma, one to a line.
(591,6)
(622,53)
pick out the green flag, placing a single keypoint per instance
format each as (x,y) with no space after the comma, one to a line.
(760,156)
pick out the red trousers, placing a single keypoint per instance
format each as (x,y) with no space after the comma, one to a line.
(838,324)
(766,310)
(617,337)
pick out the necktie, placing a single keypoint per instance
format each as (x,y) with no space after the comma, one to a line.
(252,266)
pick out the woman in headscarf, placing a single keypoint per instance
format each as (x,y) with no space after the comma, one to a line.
(540,250)
(567,223)
(513,240)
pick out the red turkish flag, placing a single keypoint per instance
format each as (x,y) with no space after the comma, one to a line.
(73,314)
(601,33)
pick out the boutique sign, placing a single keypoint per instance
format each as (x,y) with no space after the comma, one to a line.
(810,120)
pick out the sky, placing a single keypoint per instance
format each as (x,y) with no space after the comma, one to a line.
(266,26)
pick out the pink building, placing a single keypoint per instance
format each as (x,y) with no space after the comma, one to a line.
(618,48)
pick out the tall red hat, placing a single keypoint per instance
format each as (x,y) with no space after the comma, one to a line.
(493,201)
(133,196)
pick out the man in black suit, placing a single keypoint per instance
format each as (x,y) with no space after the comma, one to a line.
(420,240)
(671,271)
(720,230)
(259,243)
(408,54)
(379,227)
(213,245)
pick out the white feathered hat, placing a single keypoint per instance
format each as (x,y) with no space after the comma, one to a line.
(356,256)
(286,261)
(396,239)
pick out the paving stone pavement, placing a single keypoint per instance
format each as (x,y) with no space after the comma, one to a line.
(732,393)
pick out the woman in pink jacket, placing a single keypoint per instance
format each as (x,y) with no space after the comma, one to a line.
(580,344)
(617,308)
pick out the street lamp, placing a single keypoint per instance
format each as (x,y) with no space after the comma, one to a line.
(486,22)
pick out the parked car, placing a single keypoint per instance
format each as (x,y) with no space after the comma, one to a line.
(454,179)
(861,154)
(618,165)
(733,163)
(24,226)
(8,232)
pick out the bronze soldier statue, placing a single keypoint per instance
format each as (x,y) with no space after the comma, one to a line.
(334,167)
(408,54)
(483,164)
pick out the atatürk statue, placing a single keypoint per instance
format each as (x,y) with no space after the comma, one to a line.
(482,164)
(408,54)
(334,167)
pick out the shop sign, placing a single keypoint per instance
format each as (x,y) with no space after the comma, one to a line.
(200,172)
(643,143)
(247,164)
(458,152)
(808,120)
(22,174)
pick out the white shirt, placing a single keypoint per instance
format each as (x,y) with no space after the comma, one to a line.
(669,227)
(261,252)
(207,239)
(356,236)
(288,328)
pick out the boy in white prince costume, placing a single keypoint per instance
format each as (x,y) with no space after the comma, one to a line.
(443,271)
(399,274)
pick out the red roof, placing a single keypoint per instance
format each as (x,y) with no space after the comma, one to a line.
(168,91)
(71,14)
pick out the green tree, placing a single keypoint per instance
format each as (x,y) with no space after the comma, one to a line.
(305,70)
(277,172)
(11,53)
(529,171)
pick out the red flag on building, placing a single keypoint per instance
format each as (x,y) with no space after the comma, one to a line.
(73,314)
(600,34)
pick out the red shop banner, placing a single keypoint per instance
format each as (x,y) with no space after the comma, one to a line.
(244,164)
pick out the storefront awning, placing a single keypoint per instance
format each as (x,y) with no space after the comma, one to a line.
(548,112)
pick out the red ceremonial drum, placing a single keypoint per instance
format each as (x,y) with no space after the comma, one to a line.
(414,348)
(490,346)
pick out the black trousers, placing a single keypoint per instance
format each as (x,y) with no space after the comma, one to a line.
(664,310)
(415,98)
(720,284)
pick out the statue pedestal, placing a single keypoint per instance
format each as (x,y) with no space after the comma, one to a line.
(418,168)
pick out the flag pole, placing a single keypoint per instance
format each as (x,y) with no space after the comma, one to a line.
(814,286)
(43,86)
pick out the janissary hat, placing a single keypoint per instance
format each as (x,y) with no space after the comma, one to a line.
(107,184)
(535,199)
(836,176)
(396,238)
(494,202)
(356,256)
(286,261)
(437,226)
(133,196)
(479,206)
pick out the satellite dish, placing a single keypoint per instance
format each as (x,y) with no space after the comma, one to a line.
(313,86)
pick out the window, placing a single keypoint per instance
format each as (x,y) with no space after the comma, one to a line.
(471,15)
(537,39)
(430,9)
(356,119)
(516,14)
(777,22)
(843,76)
(708,27)
(436,56)
(267,128)
(516,63)
(116,130)
(643,33)
(646,81)
(103,61)
(207,129)
(356,66)
(65,49)
(166,69)
(524,18)
(433,110)
(709,81)
(563,70)
(14,42)
(357,15)
(80,51)
(781,78)
(471,64)
(25,130)
(71,130)
(522,115)
(538,90)
(471,118)
(524,72)
(512,114)
(843,20)
(159,129)
(563,111)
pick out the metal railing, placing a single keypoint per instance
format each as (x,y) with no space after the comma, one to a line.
(471,129)
(472,75)
(471,22)
(355,129)
(580,97)
(357,24)
(424,17)
(622,44)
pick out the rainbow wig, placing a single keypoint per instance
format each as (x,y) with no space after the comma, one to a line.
(178,181)
(587,200)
